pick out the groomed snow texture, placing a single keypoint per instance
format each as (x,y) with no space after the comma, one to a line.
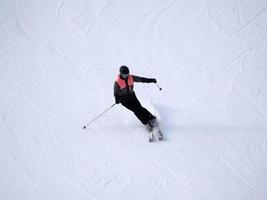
(58,63)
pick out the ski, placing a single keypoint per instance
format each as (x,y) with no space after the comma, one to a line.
(155,134)
(154,131)
(151,137)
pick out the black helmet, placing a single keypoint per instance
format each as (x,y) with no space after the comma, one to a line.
(124,70)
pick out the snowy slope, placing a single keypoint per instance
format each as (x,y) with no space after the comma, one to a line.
(58,62)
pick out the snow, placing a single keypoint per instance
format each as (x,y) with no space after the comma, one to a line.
(58,63)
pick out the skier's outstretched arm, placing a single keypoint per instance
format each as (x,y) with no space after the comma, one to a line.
(144,80)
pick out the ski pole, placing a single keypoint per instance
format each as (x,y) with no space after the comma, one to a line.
(159,86)
(85,126)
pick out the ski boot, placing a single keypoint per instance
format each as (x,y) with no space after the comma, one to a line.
(160,135)
(150,126)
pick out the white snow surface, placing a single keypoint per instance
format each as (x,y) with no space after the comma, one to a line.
(58,63)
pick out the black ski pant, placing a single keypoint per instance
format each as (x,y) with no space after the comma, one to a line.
(140,112)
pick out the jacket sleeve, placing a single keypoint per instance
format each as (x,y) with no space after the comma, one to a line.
(141,79)
(116,90)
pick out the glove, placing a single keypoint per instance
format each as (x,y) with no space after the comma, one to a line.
(152,80)
(117,100)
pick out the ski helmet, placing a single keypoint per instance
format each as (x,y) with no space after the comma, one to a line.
(124,70)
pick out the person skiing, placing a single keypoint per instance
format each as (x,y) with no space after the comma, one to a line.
(124,94)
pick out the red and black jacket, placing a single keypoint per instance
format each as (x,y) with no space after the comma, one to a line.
(123,88)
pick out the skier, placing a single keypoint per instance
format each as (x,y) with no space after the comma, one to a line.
(124,94)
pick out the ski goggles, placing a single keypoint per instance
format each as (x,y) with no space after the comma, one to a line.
(124,75)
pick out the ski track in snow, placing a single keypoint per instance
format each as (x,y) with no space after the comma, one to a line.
(253,19)
(58,63)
